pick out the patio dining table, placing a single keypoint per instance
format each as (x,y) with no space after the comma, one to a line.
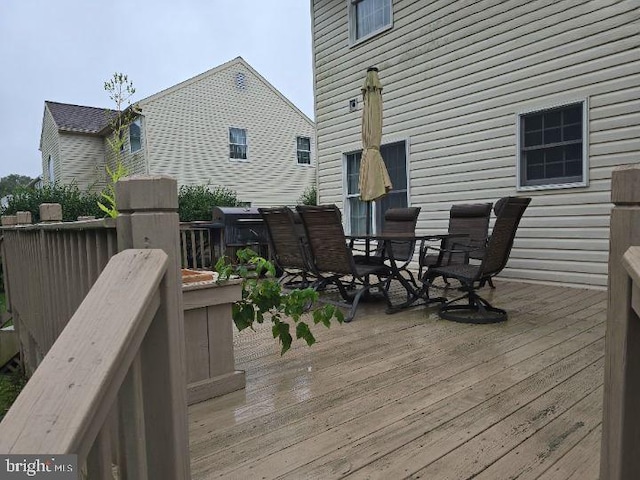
(417,292)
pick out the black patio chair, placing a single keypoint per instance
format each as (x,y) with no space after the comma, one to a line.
(288,243)
(478,310)
(332,260)
(471,220)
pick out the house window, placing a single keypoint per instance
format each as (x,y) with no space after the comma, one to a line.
(50,170)
(135,140)
(369,17)
(552,147)
(238,143)
(304,150)
(395,159)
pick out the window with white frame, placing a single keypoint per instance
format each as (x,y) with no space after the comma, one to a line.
(395,159)
(303,146)
(552,147)
(369,17)
(135,135)
(50,170)
(237,143)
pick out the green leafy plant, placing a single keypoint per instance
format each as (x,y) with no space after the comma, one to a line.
(109,193)
(195,201)
(309,196)
(74,201)
(264,299)
(120,90)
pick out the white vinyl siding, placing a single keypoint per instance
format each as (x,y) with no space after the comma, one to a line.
(50,148)
(187,128)
(455,75)
(84,161)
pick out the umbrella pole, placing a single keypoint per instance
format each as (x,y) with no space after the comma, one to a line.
(368,228)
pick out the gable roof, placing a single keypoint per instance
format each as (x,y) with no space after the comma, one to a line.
(78,118)
(215,70)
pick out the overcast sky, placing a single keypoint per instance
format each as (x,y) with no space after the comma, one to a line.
(64,51)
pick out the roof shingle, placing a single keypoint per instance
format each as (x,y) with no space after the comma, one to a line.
(77,118)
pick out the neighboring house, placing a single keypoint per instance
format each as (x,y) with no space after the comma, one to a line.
(482,100)
(73,146)
(226,127)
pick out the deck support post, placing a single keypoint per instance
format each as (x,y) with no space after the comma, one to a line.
(619,458)
(148,218)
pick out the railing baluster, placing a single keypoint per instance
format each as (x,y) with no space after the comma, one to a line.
(99,460)
(183,242)
(132,429)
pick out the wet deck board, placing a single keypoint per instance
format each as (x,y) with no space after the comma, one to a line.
(413,396)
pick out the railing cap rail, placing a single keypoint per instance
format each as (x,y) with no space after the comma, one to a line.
(59,409)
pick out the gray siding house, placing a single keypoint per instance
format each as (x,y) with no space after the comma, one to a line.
(228,126)
(482,100)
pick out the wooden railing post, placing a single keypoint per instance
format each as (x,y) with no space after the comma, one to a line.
(148,218)
(620,458)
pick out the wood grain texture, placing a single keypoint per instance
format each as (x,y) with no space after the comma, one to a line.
(68,397)
(389,396)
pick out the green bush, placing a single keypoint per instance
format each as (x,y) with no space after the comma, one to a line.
(75,202)
(309,196)
(195,201)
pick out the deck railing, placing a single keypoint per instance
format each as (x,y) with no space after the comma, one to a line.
(619,459)
(50,268)
(200,245)
(96,372)
(116,375)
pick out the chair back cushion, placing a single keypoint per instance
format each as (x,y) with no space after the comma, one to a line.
(327,242)
(510,212)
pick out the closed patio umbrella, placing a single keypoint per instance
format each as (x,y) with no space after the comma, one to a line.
(374,178)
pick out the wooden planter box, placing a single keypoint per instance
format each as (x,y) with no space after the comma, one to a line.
(209,339)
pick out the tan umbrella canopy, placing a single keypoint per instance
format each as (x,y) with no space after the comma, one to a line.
(374,178)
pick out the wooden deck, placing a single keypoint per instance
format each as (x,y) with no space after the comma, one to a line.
(412,396)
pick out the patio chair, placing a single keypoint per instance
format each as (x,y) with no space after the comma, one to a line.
(332,260)
(478,310)
(396,221)
(288,244)
(471,220)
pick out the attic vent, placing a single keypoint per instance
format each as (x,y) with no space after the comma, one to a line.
(240,81)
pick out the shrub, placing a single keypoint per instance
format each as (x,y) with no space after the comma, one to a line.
(309,196)
(195,201)
(74,202)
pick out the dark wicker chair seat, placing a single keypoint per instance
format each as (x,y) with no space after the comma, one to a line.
(332,260)
(509,211)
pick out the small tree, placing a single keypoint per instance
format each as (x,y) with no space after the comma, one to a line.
(120,90)
(309,196)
